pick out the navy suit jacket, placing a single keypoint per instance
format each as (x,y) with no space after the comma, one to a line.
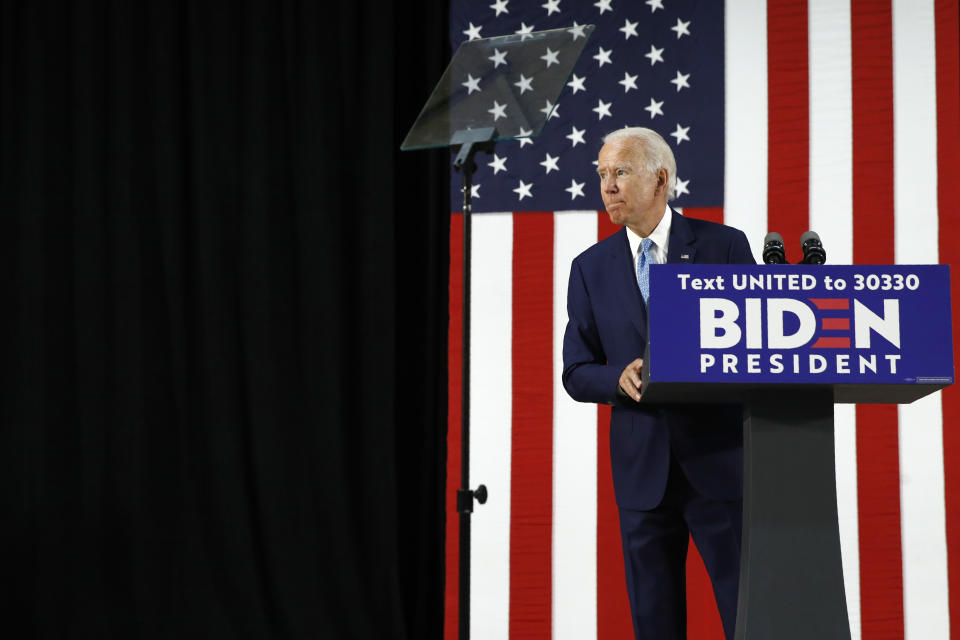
(607,329)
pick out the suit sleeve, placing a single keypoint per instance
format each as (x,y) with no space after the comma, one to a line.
(586,375)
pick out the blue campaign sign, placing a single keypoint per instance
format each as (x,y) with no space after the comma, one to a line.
(801,324)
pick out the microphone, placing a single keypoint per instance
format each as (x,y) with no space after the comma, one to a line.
(813,252)
(773,252)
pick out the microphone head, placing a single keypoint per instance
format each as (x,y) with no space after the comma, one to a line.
(773,252)
(813,252)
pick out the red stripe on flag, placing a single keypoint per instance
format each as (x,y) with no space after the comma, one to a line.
(703,616)
(713,214)
(948,198)
(788,121)
(531,488)
(605,228)
(878,487)
(872,138)
(878,461)
(831,303)
(613,606)
(454,378)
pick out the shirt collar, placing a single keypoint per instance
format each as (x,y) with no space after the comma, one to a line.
(660,236)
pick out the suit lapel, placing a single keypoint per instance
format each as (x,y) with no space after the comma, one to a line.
(681,248)
(630,296)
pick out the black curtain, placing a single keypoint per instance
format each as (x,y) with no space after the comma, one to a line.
(222,344)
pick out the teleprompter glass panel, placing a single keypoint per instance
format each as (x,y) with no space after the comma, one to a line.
(509,82)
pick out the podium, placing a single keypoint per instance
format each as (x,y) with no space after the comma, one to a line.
(788,342)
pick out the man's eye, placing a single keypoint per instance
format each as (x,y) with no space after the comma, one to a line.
(621,172)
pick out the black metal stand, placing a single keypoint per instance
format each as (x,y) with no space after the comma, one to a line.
(470,141)
(791,575)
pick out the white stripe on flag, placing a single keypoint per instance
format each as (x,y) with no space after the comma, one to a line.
(922,506)
(490,421)
(831,129)
(574,458)
(915,132)
(831,215)
(745,120)
(926,613)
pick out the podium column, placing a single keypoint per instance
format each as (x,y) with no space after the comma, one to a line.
(791,575)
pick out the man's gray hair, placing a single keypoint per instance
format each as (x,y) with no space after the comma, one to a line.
(656,152)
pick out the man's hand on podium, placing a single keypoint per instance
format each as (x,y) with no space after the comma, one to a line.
(630,379)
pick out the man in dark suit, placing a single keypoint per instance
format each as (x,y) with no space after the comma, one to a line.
(677,469)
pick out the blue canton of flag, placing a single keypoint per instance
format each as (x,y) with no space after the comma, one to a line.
(657,64)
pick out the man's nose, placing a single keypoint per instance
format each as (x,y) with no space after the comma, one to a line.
(610,185)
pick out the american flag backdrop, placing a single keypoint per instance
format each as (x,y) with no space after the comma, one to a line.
(785,115)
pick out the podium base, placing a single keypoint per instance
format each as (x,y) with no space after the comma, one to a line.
(791,575)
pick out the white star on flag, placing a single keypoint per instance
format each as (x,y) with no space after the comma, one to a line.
(681,28)
(680,133)
(576,84)
(681,81)
(524,137)
(500,6)
(654,108)
(628,82)
(550,163)
(681,187)
(603,56)
(577,30)
(576,137)
(498,58)
(655,55)
(524,31)
(499,164)
(575,189)
(523,190)
(550,57)
(550,110)
(552,6)
(498,111)
(602,109)
(603,5)
(472,84)
(654,5)
(474,191)
(629,29)
(525,84)
(473,33)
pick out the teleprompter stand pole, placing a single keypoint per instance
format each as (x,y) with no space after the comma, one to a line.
(470,141)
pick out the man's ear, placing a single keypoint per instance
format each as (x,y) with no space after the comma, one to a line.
(662,179)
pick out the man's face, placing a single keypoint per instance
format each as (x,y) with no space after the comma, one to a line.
(632,195)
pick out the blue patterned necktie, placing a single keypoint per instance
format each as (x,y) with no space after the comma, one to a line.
(643,268)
